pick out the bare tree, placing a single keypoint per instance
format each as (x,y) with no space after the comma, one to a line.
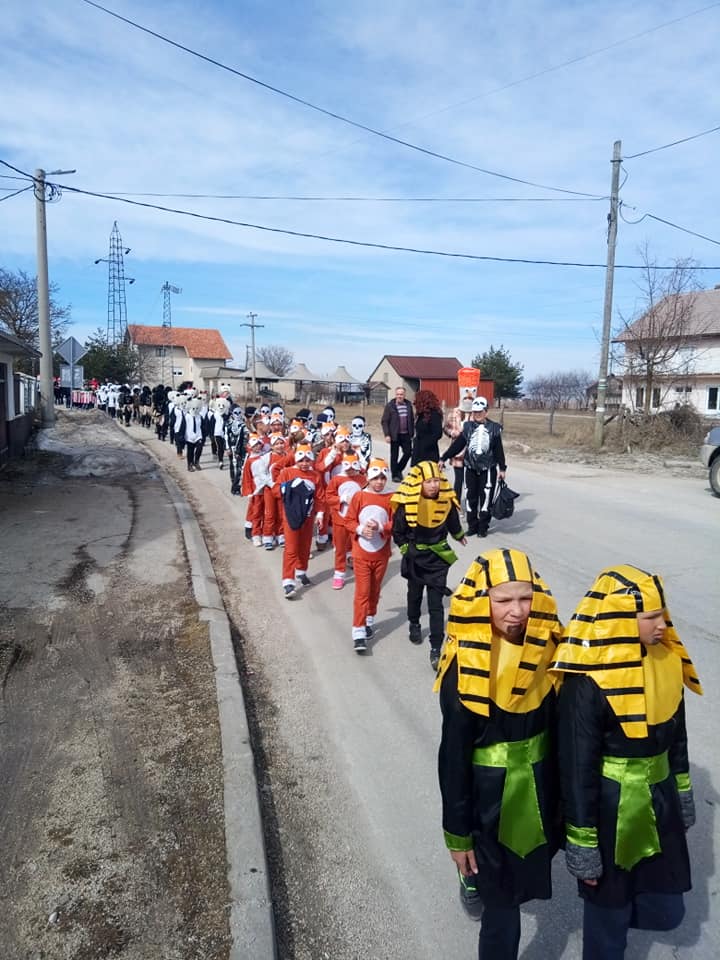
(560,388)
(19,310)
(276,358)
(659,339)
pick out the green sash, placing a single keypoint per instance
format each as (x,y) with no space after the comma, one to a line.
(636,835)
(521,828)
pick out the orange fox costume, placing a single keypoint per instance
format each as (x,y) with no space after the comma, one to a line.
(370,556)
(340,491)
(298,543)
(248,488)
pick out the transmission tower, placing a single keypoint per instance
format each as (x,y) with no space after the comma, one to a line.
(117,307)
(167,339)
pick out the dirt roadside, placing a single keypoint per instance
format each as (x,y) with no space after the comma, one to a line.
(111,800)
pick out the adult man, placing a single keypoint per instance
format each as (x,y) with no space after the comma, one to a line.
(500,795)
(398,425)
(481,439)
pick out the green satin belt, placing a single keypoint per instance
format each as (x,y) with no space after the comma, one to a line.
(521,828)
(636,835)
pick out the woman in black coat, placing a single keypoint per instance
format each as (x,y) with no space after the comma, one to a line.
(428,427)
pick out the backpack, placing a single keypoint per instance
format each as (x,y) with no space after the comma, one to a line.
(298,497)
(503,505)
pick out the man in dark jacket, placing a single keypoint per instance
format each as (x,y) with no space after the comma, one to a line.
(481,439)
(398,425)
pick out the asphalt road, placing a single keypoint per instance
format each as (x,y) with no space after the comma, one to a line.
(350,743)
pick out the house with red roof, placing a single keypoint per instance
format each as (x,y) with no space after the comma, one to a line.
(173,354)
(439,374)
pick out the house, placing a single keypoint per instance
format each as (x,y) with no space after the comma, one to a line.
(613,394)
(439,374)
(19,395)
(172,354)
(672,355)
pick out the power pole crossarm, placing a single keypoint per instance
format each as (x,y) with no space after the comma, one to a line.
(607,310)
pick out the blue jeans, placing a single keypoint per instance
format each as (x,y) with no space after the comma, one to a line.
(605,928)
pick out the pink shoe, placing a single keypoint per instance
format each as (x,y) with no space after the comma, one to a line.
(338,583)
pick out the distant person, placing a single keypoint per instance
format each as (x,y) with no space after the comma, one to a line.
(428,427)
(484,458)
(398,425)
(624,771)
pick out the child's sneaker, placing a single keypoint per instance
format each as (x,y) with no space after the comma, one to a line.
(369,626)
(338,583)
(359,644)
(470,898)
(304,579)
(289,591)
(257,541)
(415,633)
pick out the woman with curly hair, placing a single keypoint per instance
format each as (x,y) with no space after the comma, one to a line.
(428,427)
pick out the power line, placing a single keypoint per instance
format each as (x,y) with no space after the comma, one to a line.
(695,136)
(25,176)
(17,193)
(354,243)
(669,223)
(330,113)
(351,199)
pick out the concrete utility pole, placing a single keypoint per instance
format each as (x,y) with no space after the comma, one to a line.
(47,396)
(253,326)
(607,310)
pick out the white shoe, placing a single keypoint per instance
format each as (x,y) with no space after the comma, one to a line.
(257,541)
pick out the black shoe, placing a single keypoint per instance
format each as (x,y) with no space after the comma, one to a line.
(289,591)
(198,467)
(482,533)
(305,580)
(248,531)
(435,657)
(470,898)
(368,631)
(397,478)
(415,633)
(191,468)
(222,465)
(359,645)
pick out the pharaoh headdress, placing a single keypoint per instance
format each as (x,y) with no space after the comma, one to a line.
(418,509)
(602,640)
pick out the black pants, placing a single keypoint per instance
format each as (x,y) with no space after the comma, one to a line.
(480,488)
(404,443)
(193,451)
(499,933)
(219,448)
(435,609)
(458,482)
(605,929)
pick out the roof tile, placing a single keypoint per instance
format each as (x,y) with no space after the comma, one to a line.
(198,344)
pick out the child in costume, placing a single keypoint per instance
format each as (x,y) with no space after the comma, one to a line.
(253,490)
(369,519)
(426,512)
(497,766)
(623,756)
(302,492)
(339,492)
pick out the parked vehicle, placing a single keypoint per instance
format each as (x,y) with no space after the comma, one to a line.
(710,456)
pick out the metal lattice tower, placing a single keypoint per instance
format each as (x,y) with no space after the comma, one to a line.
(117,307)
(167,289)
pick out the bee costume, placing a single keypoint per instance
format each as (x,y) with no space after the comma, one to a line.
(497,770)
(623,755)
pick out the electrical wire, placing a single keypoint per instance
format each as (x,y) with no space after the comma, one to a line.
(16,194)
(330,113)
(25,176)
(665,146)
(669,223)
(353,243)
(346,199)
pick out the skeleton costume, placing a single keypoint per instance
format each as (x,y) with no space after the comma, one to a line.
(420,528)
(624,760)
(497,769)
(360,440)
(237,435)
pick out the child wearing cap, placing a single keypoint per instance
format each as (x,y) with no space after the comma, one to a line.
(340,491)
(624,770)
(369,520)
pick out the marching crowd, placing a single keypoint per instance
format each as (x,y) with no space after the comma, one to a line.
(552,737)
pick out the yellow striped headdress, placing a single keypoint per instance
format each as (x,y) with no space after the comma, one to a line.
(602,640)
(470,635)
(409,494)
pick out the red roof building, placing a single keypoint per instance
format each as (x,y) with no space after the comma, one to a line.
(173,354)
(439,374)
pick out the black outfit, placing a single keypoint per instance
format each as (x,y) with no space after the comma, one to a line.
(484,455)
(427,434)
(398,441)
(424,568)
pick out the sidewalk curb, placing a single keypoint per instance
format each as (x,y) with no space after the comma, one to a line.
(252,924)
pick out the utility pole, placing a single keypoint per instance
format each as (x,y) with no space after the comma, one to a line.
(47,396)
(253,326)
(607,309)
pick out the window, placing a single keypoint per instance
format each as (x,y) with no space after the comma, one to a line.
(386,377)
(159,351)
(640,397)
(712,401)
(656,397)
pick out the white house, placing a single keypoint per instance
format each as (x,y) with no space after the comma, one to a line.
(681,335)
(173,354)
(18,397)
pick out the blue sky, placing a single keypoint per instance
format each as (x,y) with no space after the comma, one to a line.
(132,114)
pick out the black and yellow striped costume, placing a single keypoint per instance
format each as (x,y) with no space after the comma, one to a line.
(498,775)
(623,743)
